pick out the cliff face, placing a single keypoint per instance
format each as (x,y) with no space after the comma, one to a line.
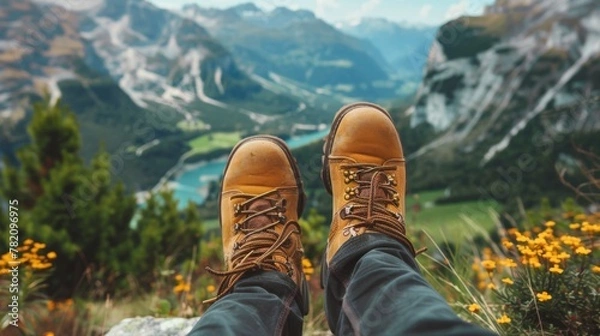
(488,77)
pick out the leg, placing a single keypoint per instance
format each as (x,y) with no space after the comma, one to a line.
(264,303)
(373,286)
(264,290)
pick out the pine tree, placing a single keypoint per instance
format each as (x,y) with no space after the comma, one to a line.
(76,210)
(164,234)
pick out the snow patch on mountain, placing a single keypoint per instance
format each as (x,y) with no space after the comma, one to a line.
(218,80)
(195,57)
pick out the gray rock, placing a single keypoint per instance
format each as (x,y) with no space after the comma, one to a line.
(148,326)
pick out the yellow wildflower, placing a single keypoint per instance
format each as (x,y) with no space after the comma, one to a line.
(540,241)
(481,285)
(556,269)
(28,242)
(522,238)
(550,223)
(583,251)
(504,319)
(51,255)
(40,266)
(491,286)
(528,252)
(50,305)
(474,308)
(543,296)
(48,333)
(596,269)
(535,262)
(179,277)
(489,265)
(182,287)
(570,240)
(508,281)
(507,243)
(554,259)
(574,226)
(307,268)
(210,288)
(508,262)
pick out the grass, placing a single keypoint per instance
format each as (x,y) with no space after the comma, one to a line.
(448,222)
(192,126)
(209,142)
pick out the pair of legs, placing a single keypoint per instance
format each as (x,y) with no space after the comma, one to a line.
(372,283)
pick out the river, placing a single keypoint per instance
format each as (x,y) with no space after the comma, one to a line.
(191,184)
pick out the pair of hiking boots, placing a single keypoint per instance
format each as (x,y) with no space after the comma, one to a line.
(262,196)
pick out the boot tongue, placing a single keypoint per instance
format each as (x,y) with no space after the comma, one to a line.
(262,220)
(379,180)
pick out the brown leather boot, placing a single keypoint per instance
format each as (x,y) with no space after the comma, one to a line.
(261,199)
(364,170)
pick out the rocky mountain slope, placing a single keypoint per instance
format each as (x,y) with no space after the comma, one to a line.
(488,77)
(512,94)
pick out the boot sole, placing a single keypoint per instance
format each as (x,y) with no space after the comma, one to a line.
(291,160)
(325,174)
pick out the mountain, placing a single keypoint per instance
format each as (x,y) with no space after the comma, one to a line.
(150,78)
(515,84)
(404,48)
(293,48)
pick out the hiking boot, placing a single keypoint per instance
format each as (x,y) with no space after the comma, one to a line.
(364,170)
(260,201)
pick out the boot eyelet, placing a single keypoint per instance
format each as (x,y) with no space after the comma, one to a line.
(236,246)
(237,209)
(237,227)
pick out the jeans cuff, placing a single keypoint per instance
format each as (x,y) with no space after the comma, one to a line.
(342,263)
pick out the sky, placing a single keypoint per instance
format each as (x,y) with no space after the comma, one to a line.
(420,12)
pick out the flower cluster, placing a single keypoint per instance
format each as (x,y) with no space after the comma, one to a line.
(550,270)
(30,255)
(59,305)
(182,286)
(308,268)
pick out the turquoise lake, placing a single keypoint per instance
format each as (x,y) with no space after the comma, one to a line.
(192,185)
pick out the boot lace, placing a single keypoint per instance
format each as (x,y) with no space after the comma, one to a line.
(260,241)
(368,202)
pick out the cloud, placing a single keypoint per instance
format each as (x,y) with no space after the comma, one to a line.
(369,6)
(365,9)
(323,6)
(464,7)
(456,10)
(425,10)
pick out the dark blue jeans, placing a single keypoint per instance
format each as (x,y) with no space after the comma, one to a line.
(372,287)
